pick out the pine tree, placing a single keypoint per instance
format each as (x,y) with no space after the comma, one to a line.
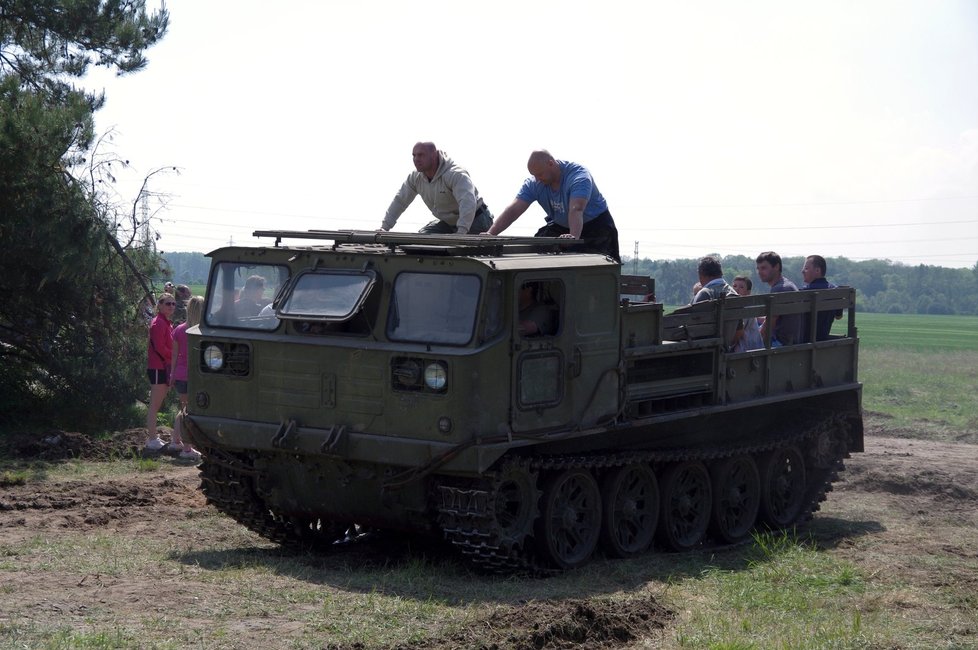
(72,347)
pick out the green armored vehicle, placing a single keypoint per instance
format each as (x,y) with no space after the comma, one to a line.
(504,395)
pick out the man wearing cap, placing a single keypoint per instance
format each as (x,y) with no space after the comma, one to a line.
(446,189)
(183,296)
(169,288)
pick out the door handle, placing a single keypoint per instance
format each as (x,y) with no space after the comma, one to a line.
(574,365)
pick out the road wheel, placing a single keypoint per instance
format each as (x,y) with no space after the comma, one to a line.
(782,486)
(736,498)
(630,510)
(516,504)
(685,509)
(570,521)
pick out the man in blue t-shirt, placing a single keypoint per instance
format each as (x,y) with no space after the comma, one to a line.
(574,206)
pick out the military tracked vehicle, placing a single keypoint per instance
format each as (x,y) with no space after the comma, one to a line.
(392,381)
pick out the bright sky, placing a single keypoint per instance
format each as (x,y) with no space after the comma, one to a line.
(833,127)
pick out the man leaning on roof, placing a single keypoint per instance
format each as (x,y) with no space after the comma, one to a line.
(447,190)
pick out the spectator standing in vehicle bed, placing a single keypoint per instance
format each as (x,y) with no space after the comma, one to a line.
(785,329)
(446,189)
(813,273)
(574,206)
(159,358)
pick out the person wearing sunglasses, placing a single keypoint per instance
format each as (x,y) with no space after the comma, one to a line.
(160,353)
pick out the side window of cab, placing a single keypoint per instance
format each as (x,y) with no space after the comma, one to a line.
(540,308)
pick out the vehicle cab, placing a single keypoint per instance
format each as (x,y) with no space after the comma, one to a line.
(401,345)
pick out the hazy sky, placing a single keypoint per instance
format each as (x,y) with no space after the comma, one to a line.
(832,127)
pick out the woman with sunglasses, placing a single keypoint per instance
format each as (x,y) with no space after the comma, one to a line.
(159,357)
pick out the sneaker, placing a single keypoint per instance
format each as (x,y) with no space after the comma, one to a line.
(155,444)
(190,454)
(174,448)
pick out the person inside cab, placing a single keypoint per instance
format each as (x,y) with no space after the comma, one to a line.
(535,318)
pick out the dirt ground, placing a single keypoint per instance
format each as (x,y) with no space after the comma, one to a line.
(895,479)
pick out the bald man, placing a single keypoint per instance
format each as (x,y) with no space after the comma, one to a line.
(446,189)
(574,206)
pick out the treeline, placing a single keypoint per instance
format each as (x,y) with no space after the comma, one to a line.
(881,285)
(187,268)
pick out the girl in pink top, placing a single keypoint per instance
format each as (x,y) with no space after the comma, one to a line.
(159,358)
(178,371)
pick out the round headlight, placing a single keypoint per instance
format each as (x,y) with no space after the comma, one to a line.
(214,357)
(435,376)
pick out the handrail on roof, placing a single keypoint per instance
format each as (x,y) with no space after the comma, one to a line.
(443,244)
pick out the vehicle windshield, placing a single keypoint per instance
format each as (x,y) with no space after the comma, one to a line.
(326,295)
(240,295)
(433,308)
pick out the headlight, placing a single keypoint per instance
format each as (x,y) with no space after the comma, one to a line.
(417,375)
(408,374)
(435,376)
(214,357)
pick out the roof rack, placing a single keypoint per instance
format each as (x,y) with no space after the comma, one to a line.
(449,245)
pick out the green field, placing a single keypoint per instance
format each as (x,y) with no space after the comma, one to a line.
(916,331)
(197,289)
(920,374)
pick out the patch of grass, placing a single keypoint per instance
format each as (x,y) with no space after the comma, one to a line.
(918,332)
(12,477)
(930,393)
(147,464)
(30,471)
(375,608)
(791,595)
(164,418)
(103,554)
(919,373)
(100,640)
(119,465)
